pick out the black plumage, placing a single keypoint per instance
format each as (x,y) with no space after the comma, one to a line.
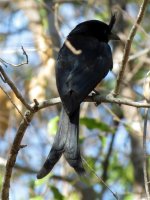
(76,76)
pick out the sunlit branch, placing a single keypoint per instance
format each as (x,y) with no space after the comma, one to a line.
(128,46)
(7,80)
(16,65)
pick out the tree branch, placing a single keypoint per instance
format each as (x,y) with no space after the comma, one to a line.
(13,153)
(28,116)
(146,91)
(107,159)
(7,80)
(98,99)
(67,42)
(100,179)
(11,101)
(145,166)
(121,101)
(17,65)
(128,46)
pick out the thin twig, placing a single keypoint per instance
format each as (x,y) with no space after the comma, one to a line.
(18,65)
(67,42)
(47,103)
(109,110)
(98,99)
(3,79)
(128,46)
(139,54)
(72,48)
(14,88)
(131,19)
(146,92)
(120,101)
(99,178)
(13,154)
(145,167)
(106,162)
(12,102)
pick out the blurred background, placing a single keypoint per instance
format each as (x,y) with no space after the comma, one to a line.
(110,135)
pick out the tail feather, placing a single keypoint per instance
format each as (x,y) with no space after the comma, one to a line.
(66,141)
(71,149)
(57,147)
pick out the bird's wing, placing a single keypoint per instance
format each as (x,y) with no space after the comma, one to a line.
(78,75)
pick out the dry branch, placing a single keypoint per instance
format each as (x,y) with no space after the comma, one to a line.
(128,46)
(17,65)
(14,88)
(28,118)
(145,164)
(13,154)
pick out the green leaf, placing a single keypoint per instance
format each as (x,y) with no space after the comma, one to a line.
(103,140)
(56,193)
(73,196)
(139,75)
(52,125)
(37,198)
(129,197)
(91,162)
(92,123)
(122,172)
(42,181)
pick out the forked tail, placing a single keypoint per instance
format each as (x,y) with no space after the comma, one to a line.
(66,141)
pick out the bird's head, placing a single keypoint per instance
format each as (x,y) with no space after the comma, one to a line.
(97,29)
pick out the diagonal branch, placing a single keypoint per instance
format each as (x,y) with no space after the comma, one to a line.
(28,116)
(146,88)
(128,46)
(12,101)
(13,154)
(17,65)
(100,179)
(14,88)
(145,163)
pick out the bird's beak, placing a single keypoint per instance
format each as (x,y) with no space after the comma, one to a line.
(113,36)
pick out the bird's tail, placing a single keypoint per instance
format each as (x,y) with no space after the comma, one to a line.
(66,141)
(71,149)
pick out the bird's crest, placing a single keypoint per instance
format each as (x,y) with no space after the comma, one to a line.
(112,20)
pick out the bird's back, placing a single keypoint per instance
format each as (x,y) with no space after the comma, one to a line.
(78,74)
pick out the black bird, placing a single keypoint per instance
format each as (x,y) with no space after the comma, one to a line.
(77,74)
